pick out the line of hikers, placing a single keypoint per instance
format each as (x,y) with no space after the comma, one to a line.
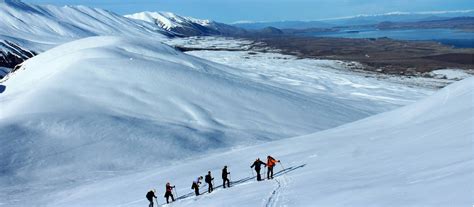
(271,162)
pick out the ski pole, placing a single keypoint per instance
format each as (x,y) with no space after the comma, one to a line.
(175,192)
(282,166)
(283,170)
(253,174)
(157,204)
(203,187)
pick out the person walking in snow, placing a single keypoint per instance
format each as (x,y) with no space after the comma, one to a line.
(169,192)
(209,180)
(225,179)
(195,185)
(271,162)
(257,164)
(150,195)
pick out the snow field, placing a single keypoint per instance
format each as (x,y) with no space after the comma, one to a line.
(423,159)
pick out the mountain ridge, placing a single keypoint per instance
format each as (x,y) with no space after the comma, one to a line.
(186,26)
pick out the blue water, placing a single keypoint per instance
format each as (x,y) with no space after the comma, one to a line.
(456,38)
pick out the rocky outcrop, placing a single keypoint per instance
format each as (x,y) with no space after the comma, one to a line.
(12,54)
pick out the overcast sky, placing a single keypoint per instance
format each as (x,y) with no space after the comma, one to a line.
(229,11)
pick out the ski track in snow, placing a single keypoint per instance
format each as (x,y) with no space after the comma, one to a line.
(274,196)
(282,181)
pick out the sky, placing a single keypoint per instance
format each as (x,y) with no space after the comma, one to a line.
(230,11)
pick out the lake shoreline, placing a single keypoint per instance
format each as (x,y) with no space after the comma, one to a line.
(449,37)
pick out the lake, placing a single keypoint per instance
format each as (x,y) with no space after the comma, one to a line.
(456,38)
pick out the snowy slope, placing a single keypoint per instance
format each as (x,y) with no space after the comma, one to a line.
(41,27)
(186,26)
(111,104)
(419,155)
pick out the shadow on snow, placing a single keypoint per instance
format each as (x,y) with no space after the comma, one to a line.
(243,180)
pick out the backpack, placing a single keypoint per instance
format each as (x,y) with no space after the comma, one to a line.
(149,195)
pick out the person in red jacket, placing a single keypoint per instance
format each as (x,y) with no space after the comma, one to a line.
(271,162)
(169,192)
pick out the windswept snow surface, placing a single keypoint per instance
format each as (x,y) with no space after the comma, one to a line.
(418,155)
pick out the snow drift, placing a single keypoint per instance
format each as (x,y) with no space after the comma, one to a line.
(418,155)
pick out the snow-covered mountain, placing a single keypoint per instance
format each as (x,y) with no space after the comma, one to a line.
(36,28)
(186,26)
(104,104)
(131,112)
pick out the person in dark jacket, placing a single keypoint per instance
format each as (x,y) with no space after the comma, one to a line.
(169,192)
(150,195)
(208,180)
(258,165)
(195,185)
(225,179)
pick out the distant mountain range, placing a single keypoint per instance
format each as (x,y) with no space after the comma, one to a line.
(465,23)
(359,20)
